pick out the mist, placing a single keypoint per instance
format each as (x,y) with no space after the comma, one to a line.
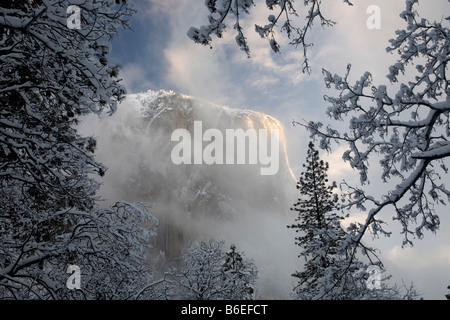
(230,202)
(160,55)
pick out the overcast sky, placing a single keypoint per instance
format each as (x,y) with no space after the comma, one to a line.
(157,54)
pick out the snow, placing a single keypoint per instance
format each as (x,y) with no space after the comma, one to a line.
(437,151)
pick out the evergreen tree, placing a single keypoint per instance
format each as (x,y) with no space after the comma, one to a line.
(210,273)
(322,237)
(50,75)
(331,270)
(241,273)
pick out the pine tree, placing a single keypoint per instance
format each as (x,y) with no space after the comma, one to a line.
(320,234)
(331,270)
(50,76)
(241,274)
(210,273)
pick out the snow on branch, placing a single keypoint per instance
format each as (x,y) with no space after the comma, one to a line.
(49,216)
(407,132)
(284,19)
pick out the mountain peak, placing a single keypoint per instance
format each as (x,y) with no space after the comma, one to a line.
(197,199)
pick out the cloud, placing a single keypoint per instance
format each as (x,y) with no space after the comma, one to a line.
(431,258)
(224,73)
(339,169)
(160,10)
(274,83)
(192,71)
(136,78)
(426,264)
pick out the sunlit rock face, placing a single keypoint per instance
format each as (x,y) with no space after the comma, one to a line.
(232,202)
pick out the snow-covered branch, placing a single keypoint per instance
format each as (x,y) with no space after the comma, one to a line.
(49,76)
(210,273)
(285,18)
(407,131)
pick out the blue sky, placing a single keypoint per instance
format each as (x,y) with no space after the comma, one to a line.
(157,54)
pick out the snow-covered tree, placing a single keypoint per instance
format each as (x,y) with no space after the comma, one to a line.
(405,126)
(322,238)
(242,275)
(285,17)
(201,277)
(212,274)
(330,271)
(51,73)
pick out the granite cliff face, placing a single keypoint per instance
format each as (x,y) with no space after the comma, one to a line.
(233,202)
